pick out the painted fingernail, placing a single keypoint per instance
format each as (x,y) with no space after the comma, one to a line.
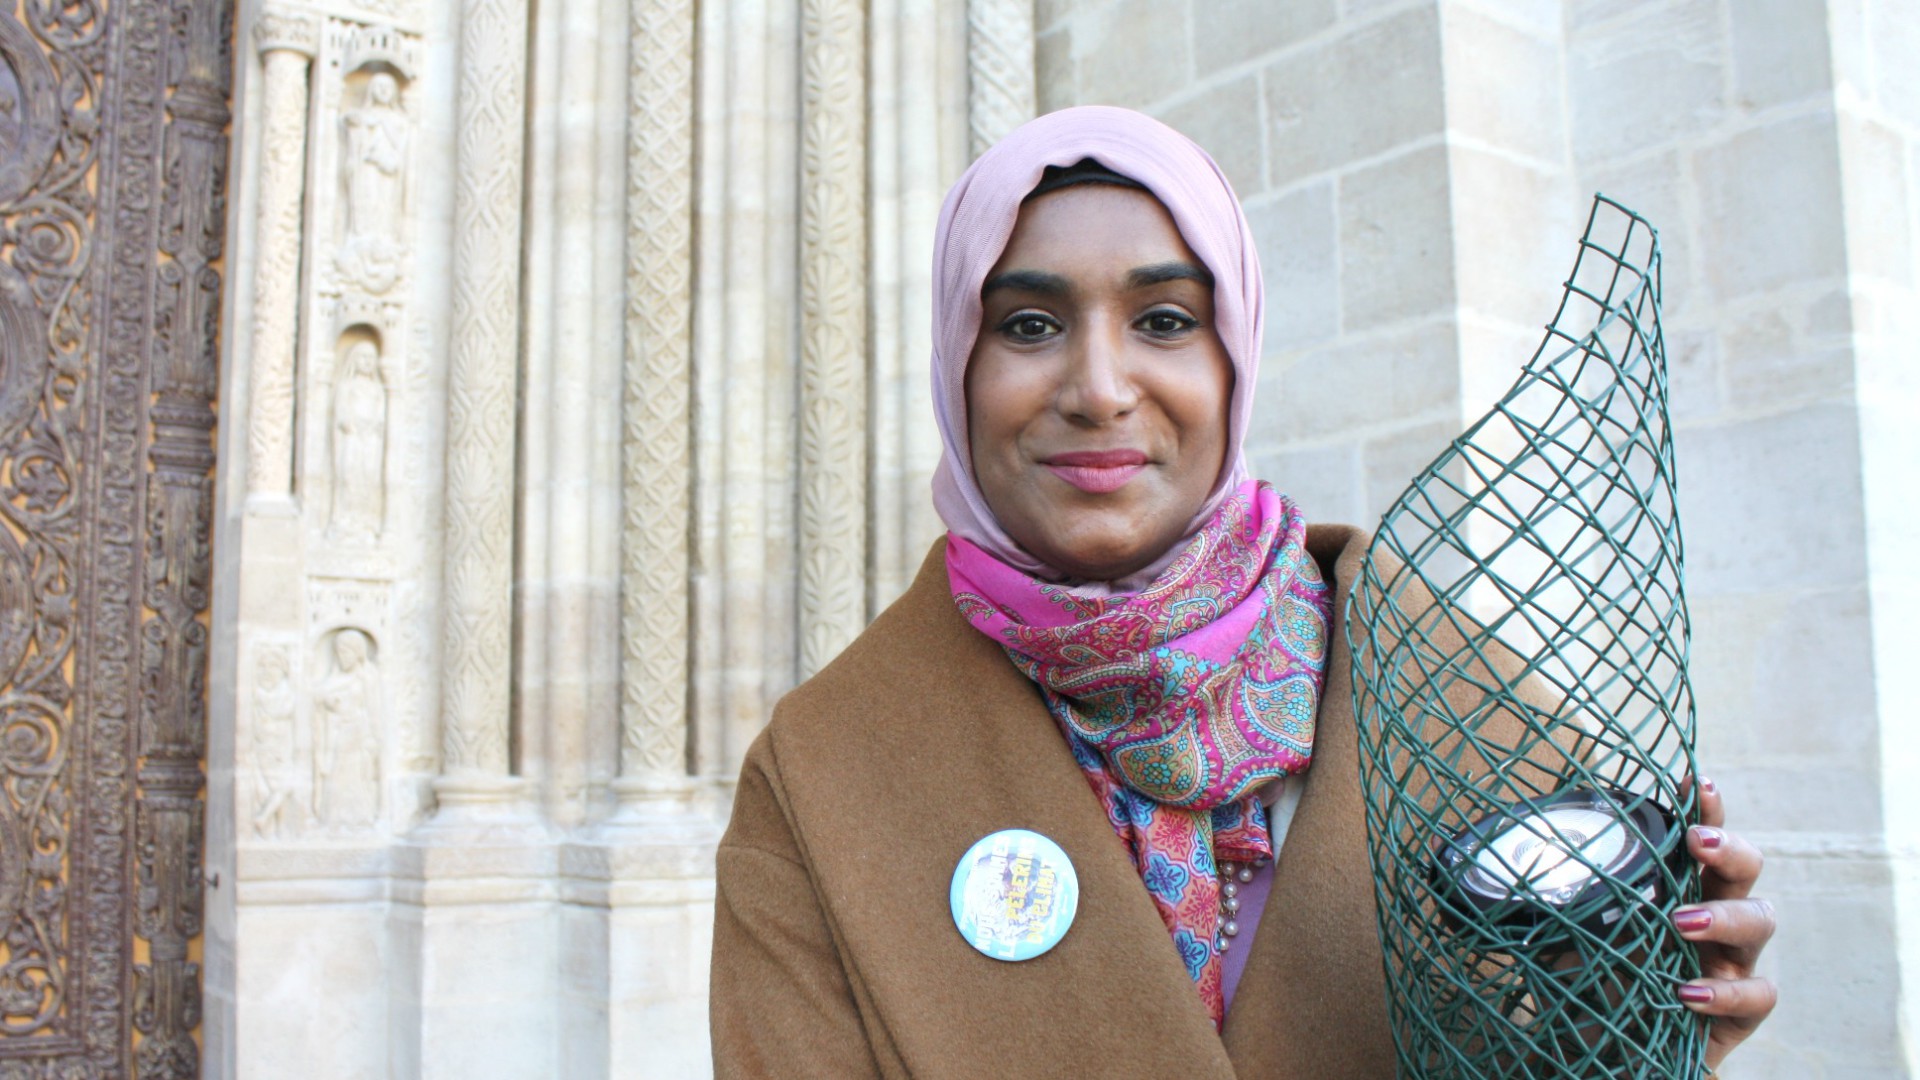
(1692,920)
(1696,995)
(1709,838)
(1706,785)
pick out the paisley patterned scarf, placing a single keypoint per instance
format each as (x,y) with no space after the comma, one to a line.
(1180,700)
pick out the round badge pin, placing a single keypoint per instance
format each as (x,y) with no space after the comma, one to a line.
(1014,894)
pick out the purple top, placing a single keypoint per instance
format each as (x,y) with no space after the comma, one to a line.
(1253,894)
(1253,900)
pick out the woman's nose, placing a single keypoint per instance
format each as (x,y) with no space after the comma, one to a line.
(1097,386)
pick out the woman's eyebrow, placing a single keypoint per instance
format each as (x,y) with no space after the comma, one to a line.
(1034,281)
(1161,273)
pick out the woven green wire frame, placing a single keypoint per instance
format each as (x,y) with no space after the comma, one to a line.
(1519,627)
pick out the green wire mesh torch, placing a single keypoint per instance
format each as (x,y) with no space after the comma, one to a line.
(1519,638)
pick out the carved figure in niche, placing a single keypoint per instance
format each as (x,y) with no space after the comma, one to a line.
(346,734)
(272,750)
(376,156)
(359,431)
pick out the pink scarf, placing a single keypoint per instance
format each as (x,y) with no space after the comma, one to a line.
(1179,701)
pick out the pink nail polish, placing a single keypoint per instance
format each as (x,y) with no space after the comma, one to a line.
(1692,920)
(1709,838)
(1697,995)
(1706,785)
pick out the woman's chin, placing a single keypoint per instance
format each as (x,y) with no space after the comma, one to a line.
(1110,557)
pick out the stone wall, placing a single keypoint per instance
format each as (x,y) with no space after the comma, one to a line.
(1416,173)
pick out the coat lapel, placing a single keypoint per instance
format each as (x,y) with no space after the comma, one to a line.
(1311,1001)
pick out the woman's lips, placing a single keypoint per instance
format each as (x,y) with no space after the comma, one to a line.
(1097,471)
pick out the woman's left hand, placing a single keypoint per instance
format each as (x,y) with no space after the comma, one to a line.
(1729,927)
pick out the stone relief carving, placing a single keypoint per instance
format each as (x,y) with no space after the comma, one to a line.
(657,435)
(833,329)
(347,732)
(358,430)
(389,11)
(272,747)
(481,387)
(182,347)
(1001,91)
(287,42)
(30,114)
(372,258)
(108,373)
(48,162)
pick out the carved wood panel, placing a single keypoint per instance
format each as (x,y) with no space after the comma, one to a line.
(113,157)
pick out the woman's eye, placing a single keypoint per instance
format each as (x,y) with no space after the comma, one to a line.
(1027,327)
(1167,323)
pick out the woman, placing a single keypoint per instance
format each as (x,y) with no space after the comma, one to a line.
(1097,324)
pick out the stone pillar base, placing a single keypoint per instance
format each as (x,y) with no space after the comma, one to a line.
(474,896)
(653,861)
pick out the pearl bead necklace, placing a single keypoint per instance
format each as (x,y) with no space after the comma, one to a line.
(1232,876)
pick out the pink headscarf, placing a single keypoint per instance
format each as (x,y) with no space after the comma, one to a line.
(977,220)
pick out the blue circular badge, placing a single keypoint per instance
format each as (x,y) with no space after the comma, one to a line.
(1014,894)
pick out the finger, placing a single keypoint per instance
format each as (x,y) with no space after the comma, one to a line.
(1737,1006)
(1748,1000)
(1713,810)
(1733,932)
(1729,865)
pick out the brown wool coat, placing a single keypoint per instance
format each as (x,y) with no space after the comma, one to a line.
(834,951)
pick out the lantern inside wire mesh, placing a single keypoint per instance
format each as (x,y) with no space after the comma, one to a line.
(1520,636)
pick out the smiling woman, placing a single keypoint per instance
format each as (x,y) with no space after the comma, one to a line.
(915,880)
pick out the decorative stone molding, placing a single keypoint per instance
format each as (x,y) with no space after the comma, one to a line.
(656,441)
(1000,69)
(833,329)
(478,573)
(382,45)
(917,143)
(287,42)
(286,31)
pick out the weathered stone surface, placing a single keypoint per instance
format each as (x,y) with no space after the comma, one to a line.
(1768,505)
(1323,480)
(1053,55)
(1228,32)
(1510,221)
(1781,52)
(1504,86)
(1353,95)
(1652,74)
(1785,357)
(1389,461)
(1218,119)
(1396,242)
(1785,230)
(1132,52)
(1297,234)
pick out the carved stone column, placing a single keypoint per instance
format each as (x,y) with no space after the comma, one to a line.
(917,143)
(833,329)
(656,437)
(287,42)
(480,398)
(1000,75)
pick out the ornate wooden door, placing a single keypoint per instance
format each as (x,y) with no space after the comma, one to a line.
(113,158)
